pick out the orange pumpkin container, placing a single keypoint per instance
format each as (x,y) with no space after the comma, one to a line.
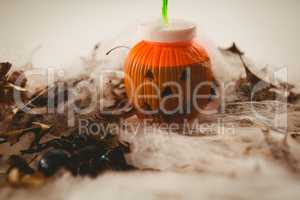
(168,74)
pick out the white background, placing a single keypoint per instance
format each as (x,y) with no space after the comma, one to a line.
(267,30)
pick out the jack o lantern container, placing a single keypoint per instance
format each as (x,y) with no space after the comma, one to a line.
(168,73)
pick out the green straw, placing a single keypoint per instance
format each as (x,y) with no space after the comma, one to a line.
(165,11)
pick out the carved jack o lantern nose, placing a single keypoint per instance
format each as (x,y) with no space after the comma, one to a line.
(169,72)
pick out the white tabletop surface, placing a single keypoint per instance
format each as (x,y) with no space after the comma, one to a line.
(268,30)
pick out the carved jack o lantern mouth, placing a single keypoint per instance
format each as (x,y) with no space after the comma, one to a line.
(168,75)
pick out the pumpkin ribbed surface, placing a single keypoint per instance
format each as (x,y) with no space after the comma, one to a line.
(161,78)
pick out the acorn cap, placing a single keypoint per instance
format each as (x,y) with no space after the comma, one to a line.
(174,31)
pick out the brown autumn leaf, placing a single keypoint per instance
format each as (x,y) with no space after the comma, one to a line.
(18,78)
(256,88)
(9,83)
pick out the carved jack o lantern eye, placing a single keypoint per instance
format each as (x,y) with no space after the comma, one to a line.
(213,91)
(184,75)
(167,92)
(147,107)
(149,75)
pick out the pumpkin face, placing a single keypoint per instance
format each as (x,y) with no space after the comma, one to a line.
(164,80)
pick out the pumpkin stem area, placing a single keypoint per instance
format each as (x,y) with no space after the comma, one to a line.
(165,11)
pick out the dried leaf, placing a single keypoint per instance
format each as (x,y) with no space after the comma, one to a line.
(15,135)
(265,90)
(234,49)
(4,69)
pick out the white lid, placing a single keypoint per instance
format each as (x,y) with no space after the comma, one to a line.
(174,31)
